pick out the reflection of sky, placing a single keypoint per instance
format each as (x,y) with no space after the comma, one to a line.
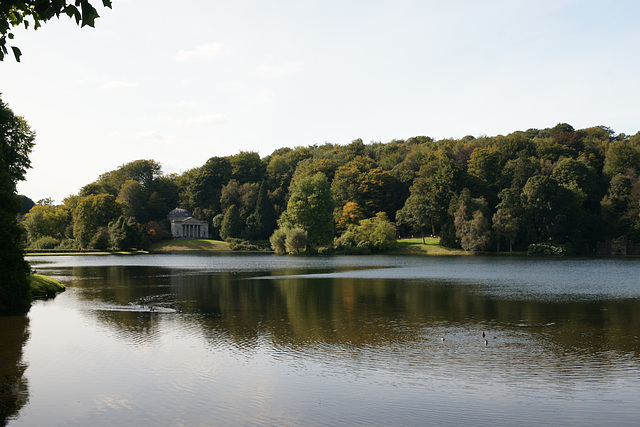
(507,277)
(81,373)
(569,279)
(372,354)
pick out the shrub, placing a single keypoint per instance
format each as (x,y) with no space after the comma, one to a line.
(46,242)
(549,249)
(290,240)
(375,234)
(67,244)
(296,240)
(100,240)
(277,240)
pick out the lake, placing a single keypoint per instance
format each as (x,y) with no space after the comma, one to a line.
(252,340)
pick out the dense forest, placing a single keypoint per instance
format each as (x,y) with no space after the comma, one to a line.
(556,189)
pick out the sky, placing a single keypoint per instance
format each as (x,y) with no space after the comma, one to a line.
(180,82)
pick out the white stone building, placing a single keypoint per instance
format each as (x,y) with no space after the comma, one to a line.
(183,225)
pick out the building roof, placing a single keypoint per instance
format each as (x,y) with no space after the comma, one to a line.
(178,213)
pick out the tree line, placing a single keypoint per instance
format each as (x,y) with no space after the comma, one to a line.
(559,188)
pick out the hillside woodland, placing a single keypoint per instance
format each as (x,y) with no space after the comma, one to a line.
(552,190)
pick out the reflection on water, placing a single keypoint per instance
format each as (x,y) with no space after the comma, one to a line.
(253,340)
(14,333)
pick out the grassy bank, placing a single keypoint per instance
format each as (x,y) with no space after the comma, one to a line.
(57,252)
(44,286)
(190,245)
(405,246)
(432,247)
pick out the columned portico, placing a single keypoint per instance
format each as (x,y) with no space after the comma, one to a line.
(183,225)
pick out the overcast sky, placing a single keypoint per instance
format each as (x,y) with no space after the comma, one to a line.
(180,82)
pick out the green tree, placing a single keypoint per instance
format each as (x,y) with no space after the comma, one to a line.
(244,196)
(551,210)
(619,206)
(310,207)
(265,214)
(621,157)
(91,214)
(380,192)
(101,239)
(375,234)
(15,13)
(486,164)
(46,220)
(282,164)
(430,197)
(417,213)
(296,240)
(205,186)
(579,178)
(246,166)
(163,198)
(133,197)
(517,171)
(507,218)
(27,204)
(16,142)
(14,285)
(348,179)
(278,239)
(312,166)
(232,223)
(471,223)
(216,224)
(143,171)
(125,233)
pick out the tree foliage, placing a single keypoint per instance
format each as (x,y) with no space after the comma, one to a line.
(296,240)
(91,214)
(14,285)
(125,233)
(232,224)
(310,208)
(16,142)
(375,234)
(14,13)
(558,186)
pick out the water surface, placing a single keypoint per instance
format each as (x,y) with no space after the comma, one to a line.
(267,340)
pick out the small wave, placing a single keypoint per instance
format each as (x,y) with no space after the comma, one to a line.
(137,309)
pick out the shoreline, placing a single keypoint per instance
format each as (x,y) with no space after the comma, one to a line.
(411,246)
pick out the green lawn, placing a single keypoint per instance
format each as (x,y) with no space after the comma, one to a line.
(432,247)
(405,246)
(44,286)
(180,245)
(88,252)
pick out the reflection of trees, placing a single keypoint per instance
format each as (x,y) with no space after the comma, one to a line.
(354,312)
(13,385)
(350,313)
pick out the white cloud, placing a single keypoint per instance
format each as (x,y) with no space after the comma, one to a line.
(203,52)
(264,96)
(154,137)
(269,71)
(185,104)
(119,84)
(208,119)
